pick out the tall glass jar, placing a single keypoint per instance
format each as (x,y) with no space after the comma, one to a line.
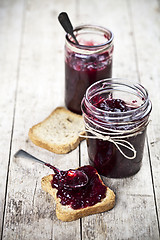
(116,133)
(86,63)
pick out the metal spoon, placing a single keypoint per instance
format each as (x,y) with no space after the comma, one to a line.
(66,24)
(73,178)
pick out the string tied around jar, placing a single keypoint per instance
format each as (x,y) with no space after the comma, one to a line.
(116,140)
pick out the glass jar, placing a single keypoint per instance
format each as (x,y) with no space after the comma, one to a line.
(86,63)
(115,138)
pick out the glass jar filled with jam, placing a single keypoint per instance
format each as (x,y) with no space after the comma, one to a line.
(87,62)
(116,117)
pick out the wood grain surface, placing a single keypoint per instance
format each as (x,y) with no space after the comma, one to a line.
(32,85)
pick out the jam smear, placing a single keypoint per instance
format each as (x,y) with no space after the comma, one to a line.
(90,194)
(71,178)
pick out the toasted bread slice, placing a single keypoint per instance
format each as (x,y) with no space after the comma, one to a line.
(58,133)
(66,213)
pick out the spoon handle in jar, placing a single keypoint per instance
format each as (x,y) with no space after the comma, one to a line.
(66,24)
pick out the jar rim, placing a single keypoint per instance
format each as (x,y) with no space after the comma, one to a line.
(141,111)
(91,26)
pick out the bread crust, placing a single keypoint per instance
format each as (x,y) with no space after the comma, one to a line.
(66,213)
(51,144)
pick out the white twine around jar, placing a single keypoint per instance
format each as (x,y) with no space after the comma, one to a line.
(116,140)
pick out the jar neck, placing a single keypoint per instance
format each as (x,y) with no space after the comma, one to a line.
(87,46)
(136,116)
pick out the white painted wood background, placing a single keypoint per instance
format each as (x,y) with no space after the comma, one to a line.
(32,85)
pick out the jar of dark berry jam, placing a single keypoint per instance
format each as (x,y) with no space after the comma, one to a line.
(116,116)
(87,62)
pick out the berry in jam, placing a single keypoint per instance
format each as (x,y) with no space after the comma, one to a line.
(112,105)
(90,194)
(71,178)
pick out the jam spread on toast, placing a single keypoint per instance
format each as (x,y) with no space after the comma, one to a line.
(90,194)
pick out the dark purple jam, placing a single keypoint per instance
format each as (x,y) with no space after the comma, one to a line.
(93,192)
(104,155)
(71,178)
(112,105)
(80,72)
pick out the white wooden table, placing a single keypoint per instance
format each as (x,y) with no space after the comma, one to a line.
(32,85)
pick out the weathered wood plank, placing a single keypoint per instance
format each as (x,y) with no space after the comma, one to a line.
(113,15)
(30,213)
(135,197)
(10,41)
(147,39)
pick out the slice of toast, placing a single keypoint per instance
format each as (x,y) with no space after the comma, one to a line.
(59,132)
(66,213)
